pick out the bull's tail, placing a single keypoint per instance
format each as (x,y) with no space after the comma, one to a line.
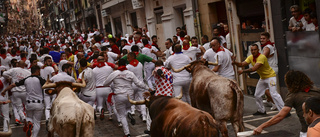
(238,116)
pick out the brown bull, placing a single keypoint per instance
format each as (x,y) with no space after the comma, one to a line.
(219,96)
(174,118)
(70,116)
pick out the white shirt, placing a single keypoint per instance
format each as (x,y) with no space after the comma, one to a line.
(168,52)
(62,76)
(17,74)
(4,84)
(177,61)
(123,80)
(61,63)
(147,52)
(33,87)
(48,70)
(112,57)
(90,89)
(206,46)
(5,61)
(293,22)
(137,70)
(41,59)
(209,55)
(101,74)
(127,47)
(192,52)
(309,27)
(273,61)
(225,62)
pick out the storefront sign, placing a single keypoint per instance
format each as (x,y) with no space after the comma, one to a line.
(136,4)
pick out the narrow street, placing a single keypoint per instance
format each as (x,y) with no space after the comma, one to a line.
(289,127)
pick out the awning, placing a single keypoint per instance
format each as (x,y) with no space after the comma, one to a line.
(111,3)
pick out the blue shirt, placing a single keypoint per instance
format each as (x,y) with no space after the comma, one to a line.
(55,56)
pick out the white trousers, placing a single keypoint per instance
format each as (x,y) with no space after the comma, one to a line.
(148,120)
(138,95)
(48,99)
(123,106)
(5,113)
(102,96)
(18,99)
(184,86)
(148,68)
(88,99)
(34,114)
(303,134)
(262,85)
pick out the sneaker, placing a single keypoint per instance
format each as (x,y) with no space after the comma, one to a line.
(127,135)
(259,113)
(110,117)
(273,107)
(18,123)
(147,132)
(132,120)
(29,130)
(119,124)
(102,114)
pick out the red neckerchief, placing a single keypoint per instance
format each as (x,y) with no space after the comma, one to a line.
(117,40)
(255,58)
(12,55)
(268,42)
(315,25)
(220,49)
(182,38)
(99,64)
(148,46)
(122,68)
(137,53)
(178,34)
(307,89)
(4,56)
(134,62)
(127,44)
(186,47)
(309,22)
(24,59)
(130,40)
(299,18)
(154,44)
(70,54)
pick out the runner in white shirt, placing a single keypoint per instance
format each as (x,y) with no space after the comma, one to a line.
(181,80)
(19,94)
(4,104)
(47,70)
(34,106)
(88,93)
(224,67)
(101,72)
(137,68)
(209,55)
(137,40)
(64,75)
(169,50)
(194,51)
(205,42)
(150,51)
(122,80)
(5,60)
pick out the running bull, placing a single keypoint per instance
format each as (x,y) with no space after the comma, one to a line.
(219,96)
(174,118)
(70,116)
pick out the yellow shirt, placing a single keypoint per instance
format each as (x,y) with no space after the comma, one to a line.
(265,71)
(76,71)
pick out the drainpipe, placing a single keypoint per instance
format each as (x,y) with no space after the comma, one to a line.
(198,24)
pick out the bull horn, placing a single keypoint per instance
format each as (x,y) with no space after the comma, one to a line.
(180,96)
(48,84)
(180,69)
(6,134)
(214,63)
(141,102)
(82,85)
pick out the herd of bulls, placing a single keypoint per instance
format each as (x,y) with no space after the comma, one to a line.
(214,101)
